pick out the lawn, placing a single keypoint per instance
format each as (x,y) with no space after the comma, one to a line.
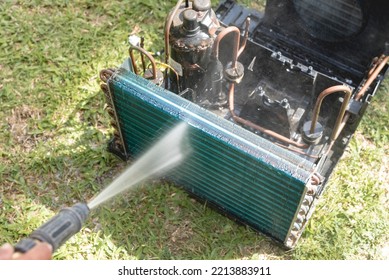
(54,134)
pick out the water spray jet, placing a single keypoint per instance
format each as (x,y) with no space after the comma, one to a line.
(160,158)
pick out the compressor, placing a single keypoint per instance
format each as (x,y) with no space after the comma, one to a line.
(271,100)
(193,35)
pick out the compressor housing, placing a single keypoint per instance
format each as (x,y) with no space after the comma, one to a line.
(272,100)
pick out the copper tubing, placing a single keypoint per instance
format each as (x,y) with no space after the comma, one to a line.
(315,180)
(142,57)
(105,74)
(257,127)
(322,95)
(168,24)
(236,52)
(246,36)
(341,115)
(296,151)
(374,64)
(134,67)
(148,55)
(235,48)
(336,133)
(373,74)
(372,77)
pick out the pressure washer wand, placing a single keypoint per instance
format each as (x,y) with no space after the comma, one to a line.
(58,229)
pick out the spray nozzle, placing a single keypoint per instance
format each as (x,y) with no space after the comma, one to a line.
(58,229)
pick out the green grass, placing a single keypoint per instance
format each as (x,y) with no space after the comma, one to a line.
(54,132)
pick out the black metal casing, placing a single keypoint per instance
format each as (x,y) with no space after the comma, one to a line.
(282,28)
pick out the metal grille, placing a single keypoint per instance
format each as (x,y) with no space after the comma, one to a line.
(331,20)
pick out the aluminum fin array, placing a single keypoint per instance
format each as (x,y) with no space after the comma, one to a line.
(246,177)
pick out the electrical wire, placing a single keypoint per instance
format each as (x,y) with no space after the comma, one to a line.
(174,71)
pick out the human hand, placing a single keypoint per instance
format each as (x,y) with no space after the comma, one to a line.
(41,251)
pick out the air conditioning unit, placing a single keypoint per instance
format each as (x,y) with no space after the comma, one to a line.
(271,100)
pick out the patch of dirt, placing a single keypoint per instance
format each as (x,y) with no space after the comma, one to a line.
(114,172)
(366,143)
(136,30)
(179,236)
(182,233)
(265,250)
(19,124)
(99,21)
